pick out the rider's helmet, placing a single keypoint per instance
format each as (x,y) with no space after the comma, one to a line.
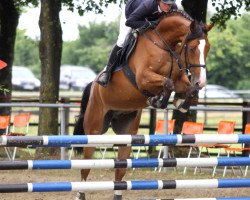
(168,1)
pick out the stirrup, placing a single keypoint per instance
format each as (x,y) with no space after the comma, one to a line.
(104,78)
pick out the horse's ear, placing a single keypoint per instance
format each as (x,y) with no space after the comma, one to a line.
(208,27)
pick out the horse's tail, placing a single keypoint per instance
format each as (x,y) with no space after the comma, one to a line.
(78,129)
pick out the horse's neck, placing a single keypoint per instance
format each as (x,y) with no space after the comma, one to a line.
(173,27)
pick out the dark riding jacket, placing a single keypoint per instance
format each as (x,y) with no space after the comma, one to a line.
(139,12)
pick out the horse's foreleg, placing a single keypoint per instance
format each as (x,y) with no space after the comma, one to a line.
(152,82)
(161,100)
(93,125)
(123,153)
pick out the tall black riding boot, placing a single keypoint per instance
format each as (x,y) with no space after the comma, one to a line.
(105,76)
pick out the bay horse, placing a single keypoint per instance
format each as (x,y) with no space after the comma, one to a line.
(160,61)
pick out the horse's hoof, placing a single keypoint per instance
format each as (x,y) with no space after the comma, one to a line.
(80,196)
(117,197)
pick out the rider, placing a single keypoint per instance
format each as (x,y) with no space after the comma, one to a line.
(137,15)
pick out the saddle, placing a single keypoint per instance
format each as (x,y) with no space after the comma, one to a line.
(126,51)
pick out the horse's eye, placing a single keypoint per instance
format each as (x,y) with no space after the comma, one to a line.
(192,50)
(178,44)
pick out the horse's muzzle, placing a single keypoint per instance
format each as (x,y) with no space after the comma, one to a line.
(202,80)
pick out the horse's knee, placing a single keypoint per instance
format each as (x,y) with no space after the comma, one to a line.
(88,152)
(84,174)
(120,173)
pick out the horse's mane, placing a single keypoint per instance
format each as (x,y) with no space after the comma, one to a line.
(179,12)
(199,28)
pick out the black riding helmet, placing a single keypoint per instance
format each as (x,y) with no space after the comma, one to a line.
(168,1)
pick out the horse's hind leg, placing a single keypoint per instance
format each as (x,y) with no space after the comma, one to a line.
(88,153)
(93,125)
(124,152)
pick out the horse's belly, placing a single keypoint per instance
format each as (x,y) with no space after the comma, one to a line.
(121,101)
(121,94)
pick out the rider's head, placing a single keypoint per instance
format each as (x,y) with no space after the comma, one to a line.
(165,5)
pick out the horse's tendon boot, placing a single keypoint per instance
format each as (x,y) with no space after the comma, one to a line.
(161,101)
(192,91)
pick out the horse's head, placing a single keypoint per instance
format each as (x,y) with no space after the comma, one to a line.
(194,51)
(187,42)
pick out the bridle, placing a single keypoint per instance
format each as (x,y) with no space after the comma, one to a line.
(188,39)
(176,55)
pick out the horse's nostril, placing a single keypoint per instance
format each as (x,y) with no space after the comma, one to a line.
(199,85)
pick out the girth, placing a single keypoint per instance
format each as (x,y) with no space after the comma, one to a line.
(131,77)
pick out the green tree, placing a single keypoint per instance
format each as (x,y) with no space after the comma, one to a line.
(227,9)
(93,46)
(50,51)
(242,28)
(26,52)
(228,60)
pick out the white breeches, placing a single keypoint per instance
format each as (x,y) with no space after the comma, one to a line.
(123,31)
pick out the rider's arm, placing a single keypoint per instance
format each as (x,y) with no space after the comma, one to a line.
(137,17)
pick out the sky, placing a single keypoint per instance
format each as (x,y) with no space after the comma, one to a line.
(69,21)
